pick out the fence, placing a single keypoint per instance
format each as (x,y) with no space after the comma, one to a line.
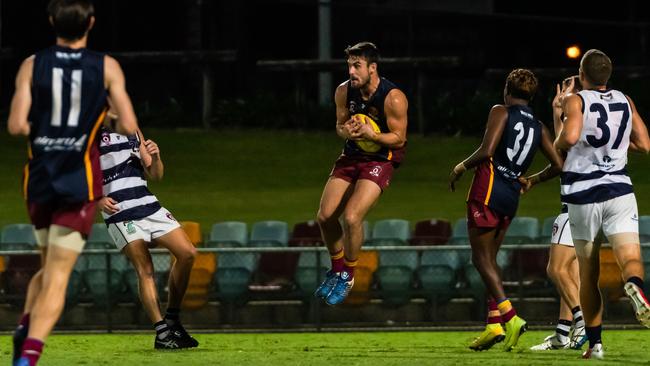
(271,288)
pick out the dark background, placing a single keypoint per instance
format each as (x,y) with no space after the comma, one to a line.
(483,39)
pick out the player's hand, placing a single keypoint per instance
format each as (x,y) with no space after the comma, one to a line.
(455,175)
(365,131)
(108,205)
(557,103)
(152,149)
(350,128)
(526,184)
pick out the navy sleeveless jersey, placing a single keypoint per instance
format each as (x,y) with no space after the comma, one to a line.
(373,108)
(68,105)
(496,181)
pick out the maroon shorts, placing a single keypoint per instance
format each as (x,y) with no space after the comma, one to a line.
(76,216)
(351,170)
(481,216)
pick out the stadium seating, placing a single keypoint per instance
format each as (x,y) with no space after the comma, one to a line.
(193,231)
(610,280)
(269,234)
(95,276)
(234,271)
(437,273)
(390,232)
(460,237)
(205,265)
(531,263)
(309,273)
(99,235)
(364,272)
(306,234)
(644,229)
(431,232)
(19,268)
(396,268)
(228,234)
(547,230)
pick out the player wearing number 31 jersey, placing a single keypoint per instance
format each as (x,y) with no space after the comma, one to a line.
(512,136)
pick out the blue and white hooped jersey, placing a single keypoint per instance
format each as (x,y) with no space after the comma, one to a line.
(594,170)
(124,179)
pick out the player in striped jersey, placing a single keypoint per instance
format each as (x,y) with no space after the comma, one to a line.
(512,136)
(135,218)
(562,266)
(59,103)
(600,126)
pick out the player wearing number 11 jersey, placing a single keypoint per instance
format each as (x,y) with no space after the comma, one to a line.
(59,103)
(599,127)
(512,136)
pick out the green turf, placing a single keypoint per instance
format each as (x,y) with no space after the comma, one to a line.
(395,348)
(252,175)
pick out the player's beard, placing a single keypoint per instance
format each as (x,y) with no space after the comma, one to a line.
(360,83)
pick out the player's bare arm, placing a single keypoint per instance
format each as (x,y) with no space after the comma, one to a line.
(552,170)
(127,123)
(396,110)
(572,125)
(150,156)
(344,124)
(639,139)
(496,123)
(18,125)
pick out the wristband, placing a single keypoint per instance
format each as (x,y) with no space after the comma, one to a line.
(460,168)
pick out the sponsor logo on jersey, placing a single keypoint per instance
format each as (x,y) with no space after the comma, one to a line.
(106,138)
(60,143)
(69,56)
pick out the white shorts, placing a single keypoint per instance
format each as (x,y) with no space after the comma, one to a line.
(615,216)
(562,231)
(149,228)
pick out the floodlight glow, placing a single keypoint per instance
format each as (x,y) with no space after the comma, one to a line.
(573,52)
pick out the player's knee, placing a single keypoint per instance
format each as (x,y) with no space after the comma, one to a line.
(187,256)
(352,220)
(324,218)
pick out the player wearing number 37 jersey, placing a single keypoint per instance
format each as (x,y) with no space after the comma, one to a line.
(599,127)
(512,136)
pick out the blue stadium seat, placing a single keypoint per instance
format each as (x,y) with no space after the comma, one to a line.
(269,234)
(644,229)
(309,272)
(547,230)
(228,234)
(100,238)
(18,237)
(234,271)
(522,230)
(460,237)
(390,232)
(437,273)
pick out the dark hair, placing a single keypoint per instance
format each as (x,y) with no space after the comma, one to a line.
(522,84)
(367,50)
(70,18)
(596,66)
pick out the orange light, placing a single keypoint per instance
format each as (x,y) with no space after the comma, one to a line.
(573,52)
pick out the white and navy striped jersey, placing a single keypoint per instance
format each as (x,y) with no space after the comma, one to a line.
(124,179)
(594,170)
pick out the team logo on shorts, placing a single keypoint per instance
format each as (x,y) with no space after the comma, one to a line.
(477,214)
(555,228)
(375,171)
(169,216)
(130,228)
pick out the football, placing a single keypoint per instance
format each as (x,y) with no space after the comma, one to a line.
(366,145)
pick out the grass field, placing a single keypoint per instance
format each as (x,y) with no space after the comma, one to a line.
(252,175)
(376,349)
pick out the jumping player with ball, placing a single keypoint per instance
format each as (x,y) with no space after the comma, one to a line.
(371,115)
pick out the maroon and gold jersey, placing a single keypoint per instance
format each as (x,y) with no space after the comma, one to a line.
(496,183)
(373,108)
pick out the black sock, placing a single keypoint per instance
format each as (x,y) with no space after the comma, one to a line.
(636,280)
(162,329)
(172,315)
(593,333)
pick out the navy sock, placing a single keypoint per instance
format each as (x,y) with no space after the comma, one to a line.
(593,333)
(636,280)
(172,316)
